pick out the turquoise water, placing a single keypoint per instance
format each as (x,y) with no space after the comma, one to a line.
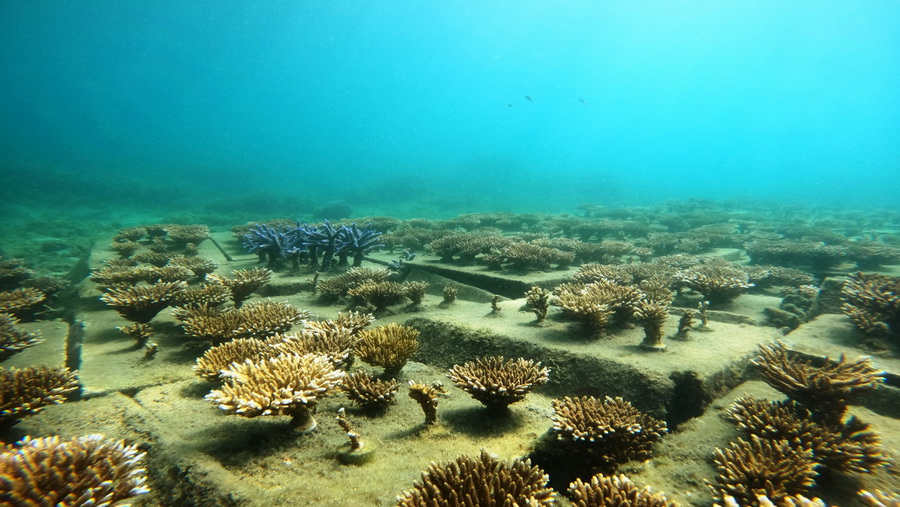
(425,108)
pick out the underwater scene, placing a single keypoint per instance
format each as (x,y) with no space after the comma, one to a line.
(398,253)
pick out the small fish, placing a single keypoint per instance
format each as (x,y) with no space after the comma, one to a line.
(528,98)
(582,101)
(509,104)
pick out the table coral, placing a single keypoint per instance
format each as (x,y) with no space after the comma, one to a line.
(496,382)
(288,384)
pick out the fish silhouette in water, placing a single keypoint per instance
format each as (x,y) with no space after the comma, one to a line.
(582,101)
(528,98)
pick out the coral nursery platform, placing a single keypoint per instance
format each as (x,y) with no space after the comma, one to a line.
(198,455)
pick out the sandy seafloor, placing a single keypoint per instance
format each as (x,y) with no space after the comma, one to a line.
(197,455)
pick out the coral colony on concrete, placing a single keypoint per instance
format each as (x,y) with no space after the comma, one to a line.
(483,480)
(315,245)
(496,382)
(288,384)
(25,391)
(88,470)
(703,277)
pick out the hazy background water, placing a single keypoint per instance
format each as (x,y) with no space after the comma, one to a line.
(419,108)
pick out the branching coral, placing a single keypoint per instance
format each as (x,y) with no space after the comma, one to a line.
(242,283)
(485,481)
(368,392)
(20,300)
(259,319)
(598,304)
(141,303)
(427,397)
(849,447)
(336,343)
(353,321)
(873,302)
(217,359)
(378,295)
(611,431)
(340,285)
(538,299)
(718,282)
(763,467)
(388,346)
(88,470)
(12,339)
(25,391)
(496,382)
(821,390)
(615,491)
(652,315)
(288,384)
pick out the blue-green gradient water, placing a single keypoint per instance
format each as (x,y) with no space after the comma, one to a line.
(442,107)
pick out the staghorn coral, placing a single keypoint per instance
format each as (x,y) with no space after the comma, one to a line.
(336,343)
(216,359)
(718,282)
(12,273)
(288,384)
(652,315)
(873,303)
(242,283)
(211,295)
(786,501)
(141,303)
(140,331)
(388,346)
(483,481)
(184,234)
(259,319)
(25,391)
(849,447)
(125,248)
(20,301)
(12,339)
(368,392)
(772,468)
(598,304)
(200,267)
(878,498)
(340,285)
(415,291)
(88,470)
(538,299)
(427,398)
(496,382)
(262,319)
(821,390)
(615,491)
(449,293)
(378,295)
(611,430)
(353,321)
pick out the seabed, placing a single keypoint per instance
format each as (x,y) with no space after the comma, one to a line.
(197,455)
